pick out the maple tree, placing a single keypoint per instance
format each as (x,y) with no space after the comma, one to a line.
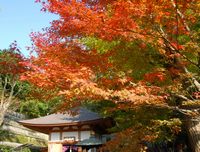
(130,52)
(11,68)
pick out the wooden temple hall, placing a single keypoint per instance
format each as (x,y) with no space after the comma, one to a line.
(83,132)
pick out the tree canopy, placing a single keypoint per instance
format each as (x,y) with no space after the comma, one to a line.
(133,53)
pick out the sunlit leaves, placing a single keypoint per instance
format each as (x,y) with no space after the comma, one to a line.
(83,52)
(11,61)
(98,44)
(132,53)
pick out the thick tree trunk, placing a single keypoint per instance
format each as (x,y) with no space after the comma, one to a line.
(193,126)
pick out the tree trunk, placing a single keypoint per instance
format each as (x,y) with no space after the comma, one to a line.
(193,126)
(2,114)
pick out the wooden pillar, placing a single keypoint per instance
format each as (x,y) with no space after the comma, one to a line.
(54,147)
(79,133)
(80,149)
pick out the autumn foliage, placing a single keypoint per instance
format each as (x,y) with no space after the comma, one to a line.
(64,61)
(11,68)
(11,61)
(95,49)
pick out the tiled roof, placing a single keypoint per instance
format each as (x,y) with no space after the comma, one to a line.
(82,115)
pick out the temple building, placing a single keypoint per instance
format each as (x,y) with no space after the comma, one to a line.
(84,131)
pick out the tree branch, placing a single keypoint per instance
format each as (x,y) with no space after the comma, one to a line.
(11,92)
(182,18)
(181,97)
(4,90)
(187,112)
(172,47)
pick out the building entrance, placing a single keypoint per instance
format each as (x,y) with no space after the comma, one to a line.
(70,148)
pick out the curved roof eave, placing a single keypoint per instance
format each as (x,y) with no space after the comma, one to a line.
(61,124)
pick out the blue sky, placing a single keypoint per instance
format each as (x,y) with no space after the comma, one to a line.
(18,18)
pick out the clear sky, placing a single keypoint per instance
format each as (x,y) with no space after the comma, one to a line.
(18,18)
